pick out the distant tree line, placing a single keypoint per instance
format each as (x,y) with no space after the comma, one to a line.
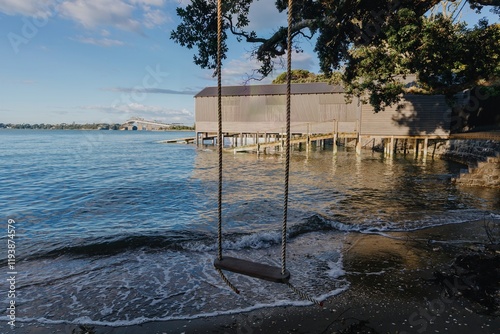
(180,127)
(74,126)
(62,126)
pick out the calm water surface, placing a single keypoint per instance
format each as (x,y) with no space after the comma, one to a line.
(115,228)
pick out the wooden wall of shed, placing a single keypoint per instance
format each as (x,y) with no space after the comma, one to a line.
(251,114)
(418,115)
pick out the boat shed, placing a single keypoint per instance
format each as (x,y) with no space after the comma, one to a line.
(317,108)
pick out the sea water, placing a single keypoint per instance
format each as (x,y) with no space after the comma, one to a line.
(117,228)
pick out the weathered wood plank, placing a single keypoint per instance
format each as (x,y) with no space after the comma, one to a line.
(253,269)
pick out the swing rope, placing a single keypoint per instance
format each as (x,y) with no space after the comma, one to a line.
(302,294)
(287,145)
(287,152)
(219,125)
(220,143)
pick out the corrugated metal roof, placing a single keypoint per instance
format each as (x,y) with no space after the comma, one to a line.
(303,88)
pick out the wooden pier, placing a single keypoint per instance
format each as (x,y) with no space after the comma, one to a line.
(186,140)
(273,143)
(280,141)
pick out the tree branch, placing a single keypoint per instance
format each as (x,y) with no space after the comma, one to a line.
(249,37)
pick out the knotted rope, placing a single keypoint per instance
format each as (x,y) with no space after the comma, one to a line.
(219,128)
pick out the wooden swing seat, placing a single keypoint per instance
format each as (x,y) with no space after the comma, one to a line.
(253,269)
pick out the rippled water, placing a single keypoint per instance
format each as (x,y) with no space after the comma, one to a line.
(121,229)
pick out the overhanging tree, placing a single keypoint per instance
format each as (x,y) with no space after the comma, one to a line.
(371,41)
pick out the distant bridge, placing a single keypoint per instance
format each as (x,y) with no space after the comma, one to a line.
(144,125)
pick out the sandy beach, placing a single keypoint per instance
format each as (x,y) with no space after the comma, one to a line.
(435,280)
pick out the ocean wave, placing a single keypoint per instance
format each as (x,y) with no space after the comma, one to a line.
(119,244)
(196,241)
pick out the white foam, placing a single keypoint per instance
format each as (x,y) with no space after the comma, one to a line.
(495,216)
(336,268)
(256,240)
(378,226)
(141,320)
(178,285)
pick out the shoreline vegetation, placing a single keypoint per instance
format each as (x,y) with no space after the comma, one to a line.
(87,126)
(435,280)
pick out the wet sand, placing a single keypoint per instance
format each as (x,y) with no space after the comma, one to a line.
(401,282)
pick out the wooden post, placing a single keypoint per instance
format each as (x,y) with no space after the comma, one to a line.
(257,142)
(415,149)
(358,144)
(335,136)
(282,139)
(307,140)
(426,143)
(391,147)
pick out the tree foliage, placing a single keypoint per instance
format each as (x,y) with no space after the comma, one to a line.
(374,42)
(446,57)
(304,76)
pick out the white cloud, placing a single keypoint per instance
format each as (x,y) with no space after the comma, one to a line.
(182,3)
(154,17)
(39,8)
(92,14)
(157,3)
(106,42)
(239,71)
(128,15)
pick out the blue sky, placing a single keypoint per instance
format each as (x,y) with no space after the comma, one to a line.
(88,61)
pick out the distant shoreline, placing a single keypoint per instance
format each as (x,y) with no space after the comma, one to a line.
(86,127)
(83,129)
